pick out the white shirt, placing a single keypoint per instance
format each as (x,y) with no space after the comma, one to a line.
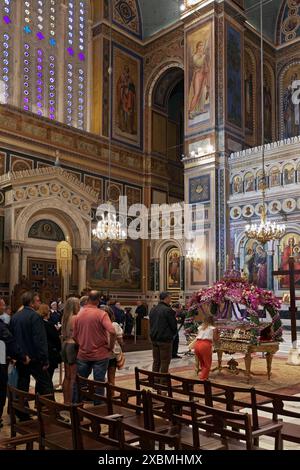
(119,332)
(206,333)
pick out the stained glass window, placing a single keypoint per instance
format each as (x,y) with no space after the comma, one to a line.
(76,70)
(6,50)
(51,40)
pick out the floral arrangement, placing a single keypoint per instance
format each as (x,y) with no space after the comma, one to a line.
(238,291)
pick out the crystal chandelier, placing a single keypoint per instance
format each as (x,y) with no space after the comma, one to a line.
(109,228)
(192,255)
(266,230)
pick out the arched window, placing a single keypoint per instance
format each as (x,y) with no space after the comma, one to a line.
(49,40)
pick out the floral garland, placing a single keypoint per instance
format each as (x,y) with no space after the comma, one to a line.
(241,292)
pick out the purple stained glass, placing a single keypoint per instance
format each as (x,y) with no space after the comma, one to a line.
(39,90)
(26,108)
(70,50)
(39,67)
(39,97)
(39,104)
(39,82)
(81,56)
(40,52)
(51,109)
(40,36)
(6,19)
(26,100)
(51,116)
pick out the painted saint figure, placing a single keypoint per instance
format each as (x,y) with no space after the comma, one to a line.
(126,95)
(200,80)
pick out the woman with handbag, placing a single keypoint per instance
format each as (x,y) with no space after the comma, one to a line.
(118,358)
(69,349)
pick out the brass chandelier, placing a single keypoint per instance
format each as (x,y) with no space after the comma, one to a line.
(266,230)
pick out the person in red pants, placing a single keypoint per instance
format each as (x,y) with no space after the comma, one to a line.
(207,334)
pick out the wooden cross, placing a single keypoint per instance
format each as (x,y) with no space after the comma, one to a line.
(293,309)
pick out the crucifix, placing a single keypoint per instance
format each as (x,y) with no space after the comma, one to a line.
(293,309)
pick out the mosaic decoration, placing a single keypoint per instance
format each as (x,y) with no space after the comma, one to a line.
(126,14)
(46,230)
(199,189)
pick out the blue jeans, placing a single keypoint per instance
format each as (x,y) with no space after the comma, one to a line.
(99,368)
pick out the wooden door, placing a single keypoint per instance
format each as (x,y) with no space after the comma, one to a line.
(44,278)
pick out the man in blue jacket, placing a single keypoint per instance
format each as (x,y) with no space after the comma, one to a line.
(29,331)
(163,328)
(8,350)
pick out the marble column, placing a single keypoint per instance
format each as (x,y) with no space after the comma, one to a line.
(270,266)
(15,258)
(82,257)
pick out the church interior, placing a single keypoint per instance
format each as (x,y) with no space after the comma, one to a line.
(150,162)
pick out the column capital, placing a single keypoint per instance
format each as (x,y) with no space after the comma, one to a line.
(14,246)
(82,254)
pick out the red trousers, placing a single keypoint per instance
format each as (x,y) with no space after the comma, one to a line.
(203,350)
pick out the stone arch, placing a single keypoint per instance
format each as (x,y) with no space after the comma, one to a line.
(160,251)
(156,75)
(53,208)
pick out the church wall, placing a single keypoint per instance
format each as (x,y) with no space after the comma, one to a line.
(282,204)
(83,155)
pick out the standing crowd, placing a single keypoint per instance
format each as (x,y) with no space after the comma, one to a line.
(85,334)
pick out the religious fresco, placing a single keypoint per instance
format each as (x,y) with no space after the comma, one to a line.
(289,246)
(237,184)
(127,90)
(274,207)
(249,182)
(290,124)
(274,177)
(199,76)
(199,189)
(115,266)
(234,77)
(173,269)
(289,174)
(268,104)
(249,93)
(255,263)
(199,270)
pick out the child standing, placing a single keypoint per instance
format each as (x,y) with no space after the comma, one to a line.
(207,334)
